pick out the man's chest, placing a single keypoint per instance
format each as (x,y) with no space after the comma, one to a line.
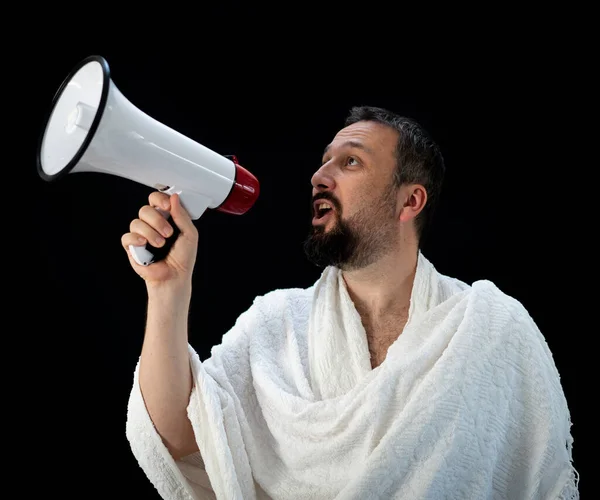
(380,339)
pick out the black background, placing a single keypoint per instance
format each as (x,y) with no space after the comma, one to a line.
(501,217)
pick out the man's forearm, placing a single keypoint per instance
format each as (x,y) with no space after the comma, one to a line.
(165,375)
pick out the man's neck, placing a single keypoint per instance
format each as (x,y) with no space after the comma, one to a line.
(382,291)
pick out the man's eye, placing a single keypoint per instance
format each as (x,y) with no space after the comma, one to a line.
(352,161)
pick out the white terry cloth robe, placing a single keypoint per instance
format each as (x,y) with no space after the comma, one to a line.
(468,403)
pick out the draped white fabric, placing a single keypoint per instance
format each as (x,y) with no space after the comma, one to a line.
(467,404)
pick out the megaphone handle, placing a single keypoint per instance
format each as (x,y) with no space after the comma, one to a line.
(145,255)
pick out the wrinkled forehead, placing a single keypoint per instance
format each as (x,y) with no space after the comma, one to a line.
(372,138)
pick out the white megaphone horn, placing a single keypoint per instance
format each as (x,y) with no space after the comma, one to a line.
(92,127)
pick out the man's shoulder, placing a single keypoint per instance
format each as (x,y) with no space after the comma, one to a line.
(274,301)
(490,295)
(486,300)
(278,303)
(503,317)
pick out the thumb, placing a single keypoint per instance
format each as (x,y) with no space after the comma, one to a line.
(180,216)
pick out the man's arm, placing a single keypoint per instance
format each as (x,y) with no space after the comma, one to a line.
(164,373)
(165,376)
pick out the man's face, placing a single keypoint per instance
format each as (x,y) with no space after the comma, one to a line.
(356,181)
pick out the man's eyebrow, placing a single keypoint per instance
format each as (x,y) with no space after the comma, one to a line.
(352,144)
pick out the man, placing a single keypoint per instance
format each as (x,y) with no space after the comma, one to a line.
(385,379)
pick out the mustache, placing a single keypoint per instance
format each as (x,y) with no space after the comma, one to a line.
(330,198)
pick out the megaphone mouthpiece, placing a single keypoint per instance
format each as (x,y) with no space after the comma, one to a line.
(92,127)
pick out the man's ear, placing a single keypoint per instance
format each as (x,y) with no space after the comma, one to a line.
(412,200)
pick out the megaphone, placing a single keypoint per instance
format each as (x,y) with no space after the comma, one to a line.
(92,127)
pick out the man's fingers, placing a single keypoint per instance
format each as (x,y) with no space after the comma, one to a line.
(132,239)
(155,220)
(182,218)
(141,228)
(160,200)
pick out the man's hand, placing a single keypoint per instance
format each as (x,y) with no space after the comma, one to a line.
(152,228)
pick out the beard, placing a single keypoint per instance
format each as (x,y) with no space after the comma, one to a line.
(358,241)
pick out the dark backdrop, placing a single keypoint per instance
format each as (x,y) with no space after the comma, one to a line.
(499,217)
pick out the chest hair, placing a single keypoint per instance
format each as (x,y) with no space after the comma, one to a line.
(381,336)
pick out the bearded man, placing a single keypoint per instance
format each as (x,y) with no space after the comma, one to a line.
(384,379)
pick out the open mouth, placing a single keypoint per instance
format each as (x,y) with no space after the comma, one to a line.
(323,210)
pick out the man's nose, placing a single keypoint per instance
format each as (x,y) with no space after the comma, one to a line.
(322,179)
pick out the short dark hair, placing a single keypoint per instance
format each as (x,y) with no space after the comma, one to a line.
(419,160)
